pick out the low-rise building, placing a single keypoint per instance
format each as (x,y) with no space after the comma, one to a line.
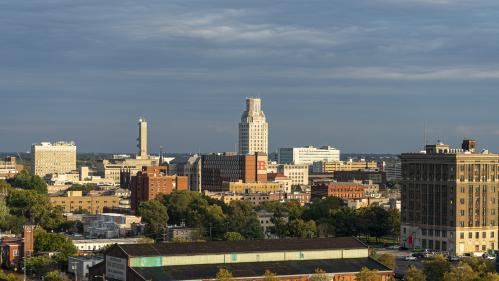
(290,259)
(152,181)
(110,225)
(75,201)
(300,197)
(298,174)
(375,176)
(9,168)
(331,167)
(265,219)
(79,265)
(93,245)
(285,182)
(251,187)
(343,190)
(258,198)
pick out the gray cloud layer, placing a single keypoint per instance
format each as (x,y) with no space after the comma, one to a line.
(361,75)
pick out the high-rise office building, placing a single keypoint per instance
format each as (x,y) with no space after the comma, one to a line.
(53,158)
(142,140)
(253,129)
(450,199)
(308,155)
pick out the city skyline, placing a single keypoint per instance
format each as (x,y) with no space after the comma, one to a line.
(364,82)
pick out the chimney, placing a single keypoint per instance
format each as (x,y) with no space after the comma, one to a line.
(469,145)
(28,240)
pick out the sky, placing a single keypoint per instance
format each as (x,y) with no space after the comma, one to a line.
(364,76)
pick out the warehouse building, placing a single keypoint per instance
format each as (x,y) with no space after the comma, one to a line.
(290,259)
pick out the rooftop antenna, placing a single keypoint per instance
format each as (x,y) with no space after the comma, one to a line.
(160,155)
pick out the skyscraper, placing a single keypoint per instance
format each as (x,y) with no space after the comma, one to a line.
(449,199)
(253,129)
(142,139)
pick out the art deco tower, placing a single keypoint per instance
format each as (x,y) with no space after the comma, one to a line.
(253,129)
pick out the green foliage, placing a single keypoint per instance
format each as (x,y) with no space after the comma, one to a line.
(54,242)
(269,276)
(26,181)
(365,274)
(387,259)
(242,218)
(233,236)
(85,188)
(301,229)
(155,215)
(41,265)
(414,274)
(224,275)
(462,272)
(319,275)
(480,265)
(5,187)
(436,267)
(9,276)
(55,276)
(34,207)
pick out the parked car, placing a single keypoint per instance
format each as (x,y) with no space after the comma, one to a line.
(410,258)
(393,247)
(489,257)
(453,258)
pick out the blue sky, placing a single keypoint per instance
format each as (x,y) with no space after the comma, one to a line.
(363,76)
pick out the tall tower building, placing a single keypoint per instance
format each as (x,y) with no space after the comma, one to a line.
(142,145)
(253,128)
(450,199)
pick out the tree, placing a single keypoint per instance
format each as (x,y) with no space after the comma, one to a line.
(490,277)
(388,260)
(435,268)
(319,275)
(242,218)
(233,236)
(155,215)
(5,187)
(462,272)
(35,207)
(224,275)
(55,276)
(302,229)
(54,242)
(41,265)
(480,265)
(414,274)
(394,222)
(9,277)
(366,274)
(269,276)
(26,181)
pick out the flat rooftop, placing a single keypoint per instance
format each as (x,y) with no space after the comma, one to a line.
(214,247)
(245,270)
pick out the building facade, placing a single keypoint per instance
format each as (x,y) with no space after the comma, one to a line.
(343,190)
(297,173)
(220,168)
(190,167)
(308,155)
(450,199)
(53,158)
(153,181)
(253,129)
(330,167)
(290,259)
(9,167)
(94,204)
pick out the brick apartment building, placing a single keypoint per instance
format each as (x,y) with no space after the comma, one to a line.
(220,168)
(343,190)
(152,181)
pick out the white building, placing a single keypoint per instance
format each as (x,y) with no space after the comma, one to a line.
(253,129)
(53,158)
(393,170)
(308,155)
(298,174)
(79,265)
(92,245)
(110,225)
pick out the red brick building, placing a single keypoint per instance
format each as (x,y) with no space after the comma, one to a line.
(343,190)
(152,181)
(15,248)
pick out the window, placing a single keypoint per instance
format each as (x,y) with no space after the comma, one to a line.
(470,235)
(484,234)
(477,235)
(462,235)
(492,233)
